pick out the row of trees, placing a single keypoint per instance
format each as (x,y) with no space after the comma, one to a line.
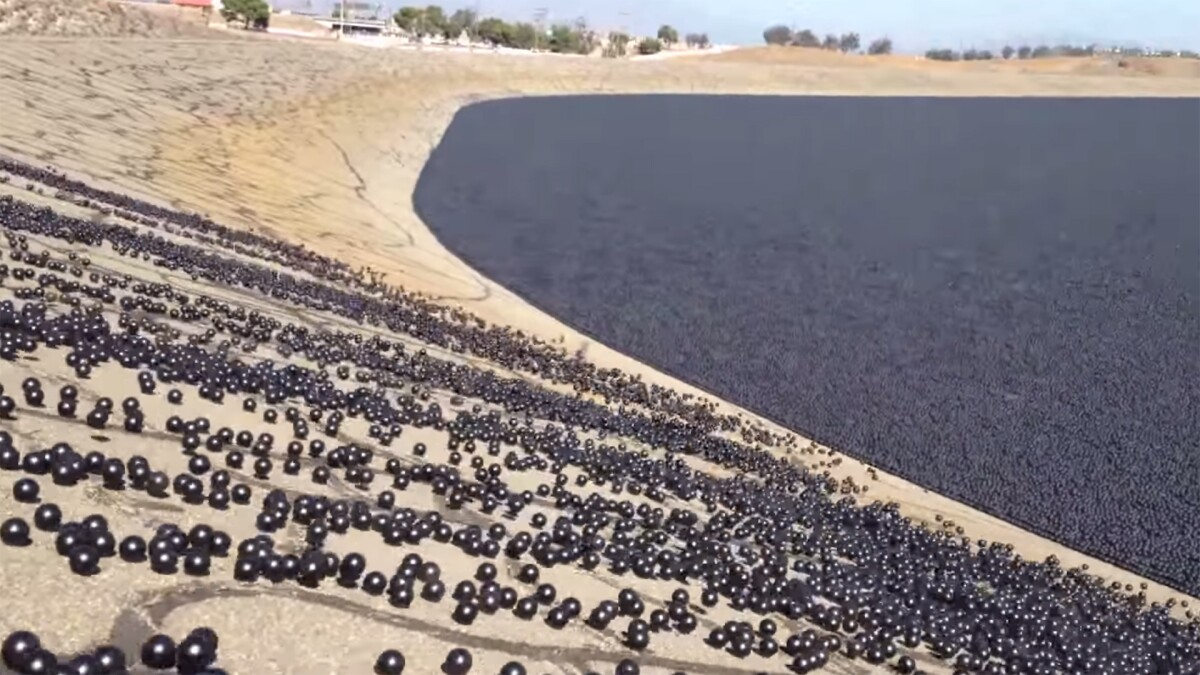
(1009,52)
(781,35)
(1022,53)
(1168,53)
(667,37)
(432,21)
(563,38)
(618,42)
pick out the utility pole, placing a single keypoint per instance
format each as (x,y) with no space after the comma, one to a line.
(342,23)
(539,21)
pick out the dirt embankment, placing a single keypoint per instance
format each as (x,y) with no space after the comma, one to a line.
(98,18)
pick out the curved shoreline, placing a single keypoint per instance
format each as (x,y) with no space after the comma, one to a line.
(436,110)
(264,164)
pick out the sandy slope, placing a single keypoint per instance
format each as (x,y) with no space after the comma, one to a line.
(323,143)
(98,18)
(1103,65)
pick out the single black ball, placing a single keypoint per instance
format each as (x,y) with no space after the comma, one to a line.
(158,653)
(10,459)
(18,648)
(465,613)
(84,560)
(194,655)
(15,532)
(374,583)
(458,662)
(390,662)
(111,660)
(84,664)
(26,490)
(164,561)
(207,635)
(41,662)
(512,668)
(132,549)
(196,563)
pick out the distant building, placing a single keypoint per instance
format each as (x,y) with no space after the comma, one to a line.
(354,26)
(205,7)
(357,10)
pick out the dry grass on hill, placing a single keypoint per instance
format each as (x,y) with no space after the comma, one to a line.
(96,18)
(1093,66)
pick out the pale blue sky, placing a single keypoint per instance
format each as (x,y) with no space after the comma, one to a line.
(912,24)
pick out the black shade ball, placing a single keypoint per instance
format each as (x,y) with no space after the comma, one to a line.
(158,652)
(390,662)
(14,532)
(26,490)
(18,648)
(458,662)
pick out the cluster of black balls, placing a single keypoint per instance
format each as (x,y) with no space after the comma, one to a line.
(445,327)
(196,654)
(773,541)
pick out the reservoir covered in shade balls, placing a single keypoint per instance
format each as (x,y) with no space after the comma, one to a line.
(998,299)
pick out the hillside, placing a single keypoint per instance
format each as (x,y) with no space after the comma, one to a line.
(95,18)
(1093,66)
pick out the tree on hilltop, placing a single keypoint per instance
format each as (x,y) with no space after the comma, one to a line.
(435,22)
(806,38)
(832,43)
(524,36)
(410,20)
(881,46)
(503,34)
(493,30)
(1007,52)
(618,45)
(668,35)
(563,40)
(778,34)
(849,42)
(649,46)
(1024,52)
(574,38)
(246,11)
(460,21)
(942,55)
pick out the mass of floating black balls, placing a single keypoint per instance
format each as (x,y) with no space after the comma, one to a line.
(810,571)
